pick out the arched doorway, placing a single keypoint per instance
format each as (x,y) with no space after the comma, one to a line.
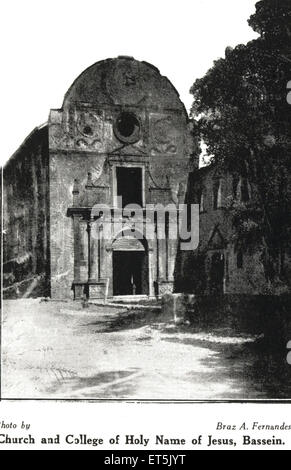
(130,265)
(217,273)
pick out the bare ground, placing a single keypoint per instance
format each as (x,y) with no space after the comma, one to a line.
(61,350)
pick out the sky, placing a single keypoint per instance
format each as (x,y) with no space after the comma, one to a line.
(46,45)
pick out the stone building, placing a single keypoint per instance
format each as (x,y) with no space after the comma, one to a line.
(121,137)
(219,265)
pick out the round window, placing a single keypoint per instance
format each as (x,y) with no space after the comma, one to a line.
(127,127)
(87,130)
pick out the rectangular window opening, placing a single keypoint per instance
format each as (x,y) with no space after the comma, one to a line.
(129,185)
(217,194)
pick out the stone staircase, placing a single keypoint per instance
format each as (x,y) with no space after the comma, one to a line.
(132,302)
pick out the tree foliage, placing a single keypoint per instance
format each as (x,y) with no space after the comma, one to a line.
(245,120)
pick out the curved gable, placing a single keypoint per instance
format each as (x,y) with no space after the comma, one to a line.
(123,81)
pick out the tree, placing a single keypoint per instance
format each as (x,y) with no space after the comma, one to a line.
(245,121)
(272,21)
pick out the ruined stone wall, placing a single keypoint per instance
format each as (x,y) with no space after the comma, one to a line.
(26,265)
(216,236)
(235,314)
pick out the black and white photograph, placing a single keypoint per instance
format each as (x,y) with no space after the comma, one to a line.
(146,225)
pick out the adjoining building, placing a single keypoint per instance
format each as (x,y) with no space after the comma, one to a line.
(220,265)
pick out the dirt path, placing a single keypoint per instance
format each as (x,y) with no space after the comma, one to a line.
(60,350)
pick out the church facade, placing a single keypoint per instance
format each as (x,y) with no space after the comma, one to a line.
(81,191)
(122,137)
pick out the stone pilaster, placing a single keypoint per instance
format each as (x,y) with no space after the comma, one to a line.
(172,246)
(83,251)
(76,223)
(161,247)
(78,287)
(93,273)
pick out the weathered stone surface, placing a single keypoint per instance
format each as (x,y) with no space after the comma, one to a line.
(123,81)
(26,250)
(195,272)
(86,145)
(119,113)
(176,306)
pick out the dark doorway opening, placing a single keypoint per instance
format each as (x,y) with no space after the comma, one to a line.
(217,273)
(130,273)
(129,185)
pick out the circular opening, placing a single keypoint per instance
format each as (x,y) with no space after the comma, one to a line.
(87,130)
(127,127)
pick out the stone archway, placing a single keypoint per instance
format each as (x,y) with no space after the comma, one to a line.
(217,269)
(130,264)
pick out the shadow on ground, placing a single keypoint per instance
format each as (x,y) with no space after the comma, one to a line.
(260,371)
(63,350)
(256,368)
(105,384)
